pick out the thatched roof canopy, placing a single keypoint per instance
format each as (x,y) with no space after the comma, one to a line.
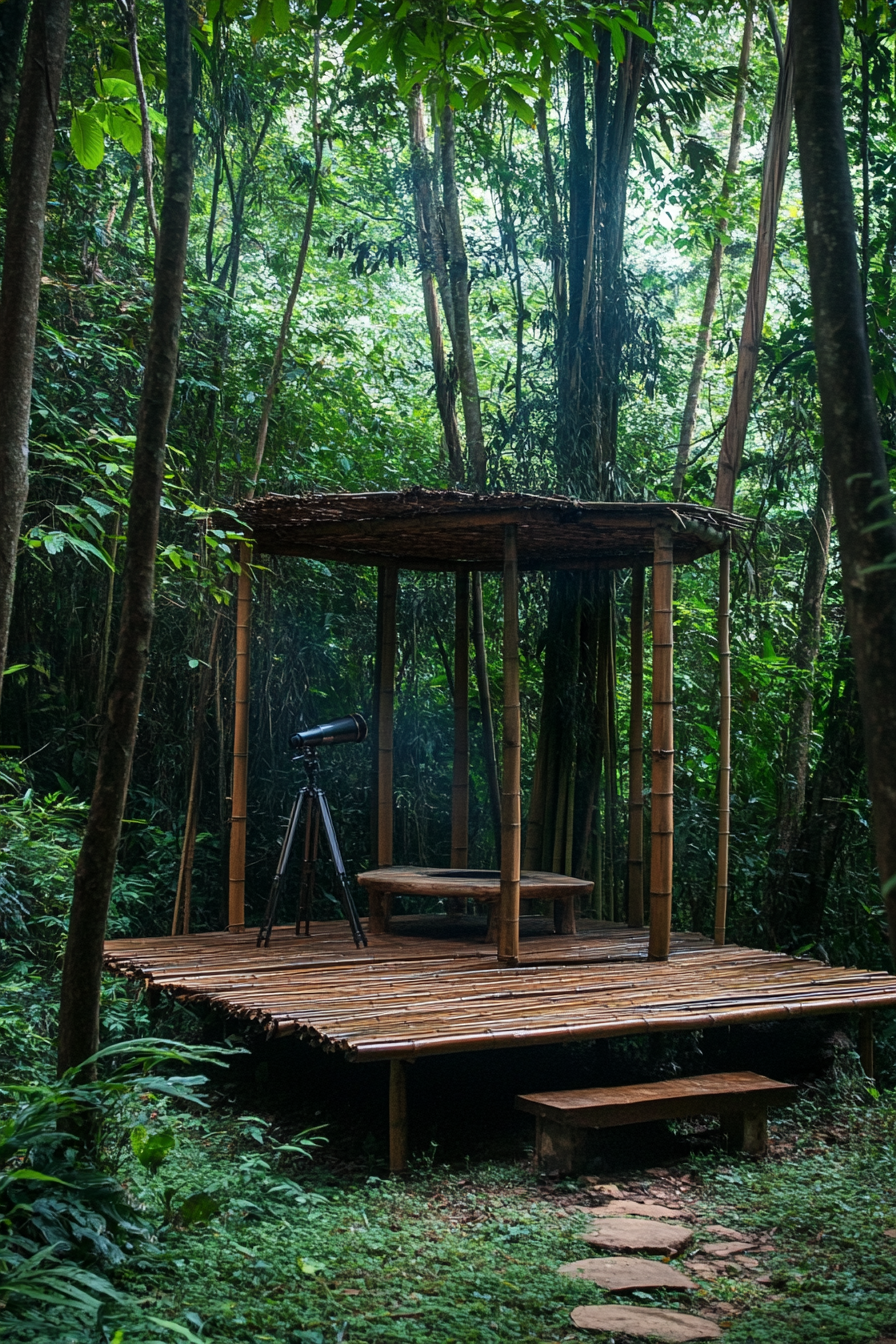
(451,529)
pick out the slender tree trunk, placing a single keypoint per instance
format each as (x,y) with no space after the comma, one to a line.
(485,708)
(704,332)
(22,260)
(191,822)
(805,878)
(13,14)
(286,323)
(459,276)
(853,452)
(82,967)
(423,212)
(128,10)
(799,727)
(777,152)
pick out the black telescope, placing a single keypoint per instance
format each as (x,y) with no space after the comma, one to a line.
(350,729)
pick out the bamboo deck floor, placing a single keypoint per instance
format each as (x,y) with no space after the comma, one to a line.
(432,986)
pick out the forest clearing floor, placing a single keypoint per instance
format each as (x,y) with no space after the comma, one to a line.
(471,1252)
(254,1239)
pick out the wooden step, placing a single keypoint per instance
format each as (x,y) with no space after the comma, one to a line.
(741,1098)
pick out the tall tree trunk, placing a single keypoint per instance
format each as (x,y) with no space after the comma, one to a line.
(459,277)
(82,967)
(576,736)
(713,282)
(13,14)
(23,252)
(799,725)
(777,152)
(852,444)
(805,877)
(421,179)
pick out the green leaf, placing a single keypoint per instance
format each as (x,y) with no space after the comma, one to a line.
(151,1150)
(127,131)
(87,141)
(200,1207)
(617,38)
(263,21)
(113,86)
(281,15)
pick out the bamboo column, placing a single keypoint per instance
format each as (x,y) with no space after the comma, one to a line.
(636,757)
(387,596)
(511,824)
(724,633)
(398,1115)
(662,751)
(236,903)
(460,780)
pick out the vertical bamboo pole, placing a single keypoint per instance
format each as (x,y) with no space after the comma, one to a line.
(236,904)
(460,780)
(511,825)
(374,724)
(398,1115)
(663,737)
(387,598)
(636,757)
(724,633)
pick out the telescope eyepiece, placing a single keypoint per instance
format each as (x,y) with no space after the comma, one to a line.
(353,728)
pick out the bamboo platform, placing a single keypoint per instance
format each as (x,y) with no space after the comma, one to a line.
(432,985)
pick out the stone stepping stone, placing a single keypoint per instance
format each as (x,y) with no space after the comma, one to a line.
(639,1234)
(625,1273)
(646,1323)
(629,1208)
(720,1249)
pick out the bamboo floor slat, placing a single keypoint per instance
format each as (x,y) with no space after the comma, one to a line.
(431,988)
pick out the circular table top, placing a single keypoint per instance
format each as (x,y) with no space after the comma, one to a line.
(482,882)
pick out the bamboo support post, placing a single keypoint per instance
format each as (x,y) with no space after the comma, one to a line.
(662,752)
(460,780)
(866,1042)
(398,1115)
(236,904)
(387,597)
(511,825)
(724,637)
(636,757)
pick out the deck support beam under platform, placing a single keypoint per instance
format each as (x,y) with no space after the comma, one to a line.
(398,1115)
(511,818)
(662,753)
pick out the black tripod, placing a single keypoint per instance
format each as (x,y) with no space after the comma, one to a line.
(318,810)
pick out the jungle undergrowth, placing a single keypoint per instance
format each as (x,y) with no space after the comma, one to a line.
(253,1234)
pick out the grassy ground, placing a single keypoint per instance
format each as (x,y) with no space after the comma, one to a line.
(326,1248)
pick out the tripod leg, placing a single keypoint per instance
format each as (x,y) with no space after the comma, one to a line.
(309,864)
(267,924)
(345,891)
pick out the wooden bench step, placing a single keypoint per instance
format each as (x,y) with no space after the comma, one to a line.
(742,1099)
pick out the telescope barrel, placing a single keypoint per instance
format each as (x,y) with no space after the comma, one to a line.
(353,728)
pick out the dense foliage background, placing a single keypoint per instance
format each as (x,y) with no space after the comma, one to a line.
(356,410)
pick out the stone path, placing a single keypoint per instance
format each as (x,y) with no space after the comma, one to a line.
(657,1217)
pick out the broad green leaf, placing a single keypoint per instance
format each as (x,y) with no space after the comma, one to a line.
(281,15)
(263,21)
(126,130)
(87,141)
(113,86)
(617,37)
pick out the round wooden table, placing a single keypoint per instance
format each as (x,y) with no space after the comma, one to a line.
(479,884)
